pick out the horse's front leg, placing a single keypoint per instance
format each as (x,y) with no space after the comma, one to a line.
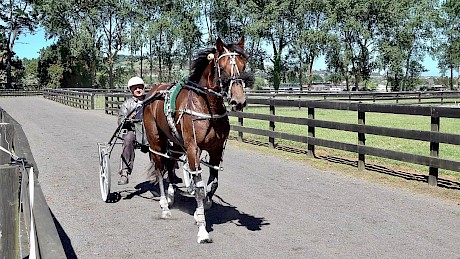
(214,159)
(193,156)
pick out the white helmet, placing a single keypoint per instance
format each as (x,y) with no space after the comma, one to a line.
(135,81)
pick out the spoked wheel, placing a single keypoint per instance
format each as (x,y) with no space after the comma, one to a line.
(104,173)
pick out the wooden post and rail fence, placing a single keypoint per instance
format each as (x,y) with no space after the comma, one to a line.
(27,228)
(113,100)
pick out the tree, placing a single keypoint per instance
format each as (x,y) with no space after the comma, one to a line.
(17,18)
(312,35)
(448,52)
(272,21)
(406,35)
(30,72)
(355,25)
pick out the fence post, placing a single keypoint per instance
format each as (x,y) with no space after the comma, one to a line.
(311,133)
(361,139)
(9,211)
(434,149)
(271,141)
(240,133)
(106,105)
(92,101)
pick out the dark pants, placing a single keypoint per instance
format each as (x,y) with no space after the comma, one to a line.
(127,156)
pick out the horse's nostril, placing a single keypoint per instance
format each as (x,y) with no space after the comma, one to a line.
(233,102)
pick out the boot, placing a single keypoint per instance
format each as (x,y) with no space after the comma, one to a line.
(123,177)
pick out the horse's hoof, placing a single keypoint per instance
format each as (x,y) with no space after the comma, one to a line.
(207,203)
(203,236)
(166,214)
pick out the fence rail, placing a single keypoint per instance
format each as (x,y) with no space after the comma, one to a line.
(434,137)
(78,99)
(417,96)
(26,225)
(19,92)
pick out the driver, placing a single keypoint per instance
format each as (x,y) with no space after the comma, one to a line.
(136,86)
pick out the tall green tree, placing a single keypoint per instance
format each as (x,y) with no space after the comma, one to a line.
(407,30)
(448,52)
(355,24)
(272,21)
(18,17)
(311,37)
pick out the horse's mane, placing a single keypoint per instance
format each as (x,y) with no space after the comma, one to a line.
(201,61)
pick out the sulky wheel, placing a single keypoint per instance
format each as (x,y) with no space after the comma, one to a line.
(104,174)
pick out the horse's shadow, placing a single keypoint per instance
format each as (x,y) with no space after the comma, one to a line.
(221,212)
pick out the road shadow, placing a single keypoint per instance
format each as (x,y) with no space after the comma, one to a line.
(442,183)
(65,240)
(221,212)
(140,190)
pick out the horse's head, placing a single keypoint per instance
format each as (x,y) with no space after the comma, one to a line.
(231,62)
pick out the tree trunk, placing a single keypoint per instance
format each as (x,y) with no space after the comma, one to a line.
(151,60)
(9,77)
(387,83)
(311,60)
(300,71)
(141,63)
(406,76)
(458,77)
(277,71)
(347,81)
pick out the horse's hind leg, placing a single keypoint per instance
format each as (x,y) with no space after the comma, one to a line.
(211,188)
(170,167)
(164,204)
(156,170)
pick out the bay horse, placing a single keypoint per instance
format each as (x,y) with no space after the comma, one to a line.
(191,117)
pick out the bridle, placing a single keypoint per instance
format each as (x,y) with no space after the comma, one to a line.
(234,72)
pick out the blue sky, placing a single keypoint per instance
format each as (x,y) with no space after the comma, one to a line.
(29,46)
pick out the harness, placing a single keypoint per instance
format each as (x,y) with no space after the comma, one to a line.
(170,97)
(170,108)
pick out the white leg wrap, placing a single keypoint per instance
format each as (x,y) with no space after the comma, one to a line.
(163,202)
(199,216)
(170,196)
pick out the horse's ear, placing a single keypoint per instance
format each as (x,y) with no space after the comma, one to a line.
(241,42)
(219,45)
